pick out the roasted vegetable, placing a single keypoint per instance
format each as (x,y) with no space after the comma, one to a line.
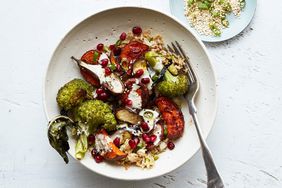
(155,60)
(91,57)
(140,64)
(111,82)
(172,117)
(128,116)
(57,135)
(173,86)
(73,93)
(95,113)
(114,153)
(133,51)
(81,146)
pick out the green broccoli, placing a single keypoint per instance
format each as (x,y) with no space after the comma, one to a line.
(73,93)
(173,86)
(95,113)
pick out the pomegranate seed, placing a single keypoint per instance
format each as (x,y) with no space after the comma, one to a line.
(91,139)
(94,152)
(122,36)
(129,72)
(116,51)
(137,140)
(170,145)
(146,138)
(100,47)
(104,62)
(139,73)
(153,138)
(128,102)
(99,91)
(103,96)
(98,158)
(118,67)
(144,126)
(117,141)
(112,46)
(108,71)
(132,144)
(136,30)
(145,80)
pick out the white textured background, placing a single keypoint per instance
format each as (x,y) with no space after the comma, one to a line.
(247,137)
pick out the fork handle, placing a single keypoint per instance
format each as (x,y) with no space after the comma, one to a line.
(214,179)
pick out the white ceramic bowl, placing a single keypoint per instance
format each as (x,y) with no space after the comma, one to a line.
(106,27)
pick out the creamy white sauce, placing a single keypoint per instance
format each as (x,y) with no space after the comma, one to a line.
(159,64)
(114,83)
(146,74)
(96,69)
(103,56)
(136,99)
(152,120)
(102,143)
(132,130)
(158,132)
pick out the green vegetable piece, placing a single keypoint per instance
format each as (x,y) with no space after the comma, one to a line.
(112,66)
(95,113)
(173,70)
(57,135)
(95,56)
(73,93)
(155,77)
(81,146)
(225,23)
(118,42)
(203,6)
(154,60)
(173,86)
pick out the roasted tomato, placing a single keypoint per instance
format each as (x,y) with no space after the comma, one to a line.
(133,50)
(88,57)
(172,116)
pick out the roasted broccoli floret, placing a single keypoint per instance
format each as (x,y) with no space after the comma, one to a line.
(95,113)
(73,93)
(173,86)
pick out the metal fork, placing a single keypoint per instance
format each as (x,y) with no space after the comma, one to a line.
(214,179)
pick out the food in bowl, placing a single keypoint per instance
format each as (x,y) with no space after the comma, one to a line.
(124,109)
(209,17)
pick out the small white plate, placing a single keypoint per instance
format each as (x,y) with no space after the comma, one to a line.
(106,27)
(236,24)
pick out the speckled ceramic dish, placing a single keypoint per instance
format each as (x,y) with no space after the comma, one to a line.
(237,24)
(107,26)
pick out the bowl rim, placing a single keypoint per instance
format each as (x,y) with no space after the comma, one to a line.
(197,38)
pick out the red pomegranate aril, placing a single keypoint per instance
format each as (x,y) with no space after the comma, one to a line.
(116,51)
(112,46)
(107,71)
(132,144)
(117,141)
(153,138)
(137,140)
(145,80)
(136,30)
(144,126)
(99,91)
(129,72)
(91,139)
(94,152)
(146,138)
(98,158)
(170,145)
(128,102)
(100,47)
(139,73)
(104,62)
(122,36)
(103,96)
